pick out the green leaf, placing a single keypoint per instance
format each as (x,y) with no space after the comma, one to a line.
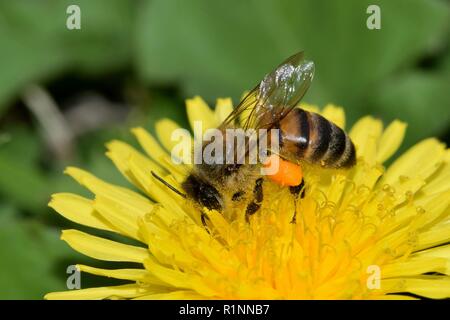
(21,143)
(422,98)
(28,256)
(21,180)
(22,184)
(36,44)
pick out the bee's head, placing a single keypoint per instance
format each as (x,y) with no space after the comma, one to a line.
(203,193)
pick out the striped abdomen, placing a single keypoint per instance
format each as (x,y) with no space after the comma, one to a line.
(309,136)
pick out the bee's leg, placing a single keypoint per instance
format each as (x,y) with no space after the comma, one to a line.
(255,204)
(297,191)
(204,217)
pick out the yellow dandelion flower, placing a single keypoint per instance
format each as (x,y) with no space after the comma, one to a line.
(366,233)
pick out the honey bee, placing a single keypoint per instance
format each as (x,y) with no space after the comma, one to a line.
(303,137)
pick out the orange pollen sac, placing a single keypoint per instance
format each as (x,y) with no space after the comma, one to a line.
(283,172)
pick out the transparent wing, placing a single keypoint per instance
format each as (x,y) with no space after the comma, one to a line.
(244,111)
(276,95)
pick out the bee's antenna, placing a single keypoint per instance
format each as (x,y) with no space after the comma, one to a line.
(168,185)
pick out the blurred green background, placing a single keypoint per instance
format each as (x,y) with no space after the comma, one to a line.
(64,93)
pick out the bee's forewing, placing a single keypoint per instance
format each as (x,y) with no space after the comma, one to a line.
(284,87)
(276,95)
